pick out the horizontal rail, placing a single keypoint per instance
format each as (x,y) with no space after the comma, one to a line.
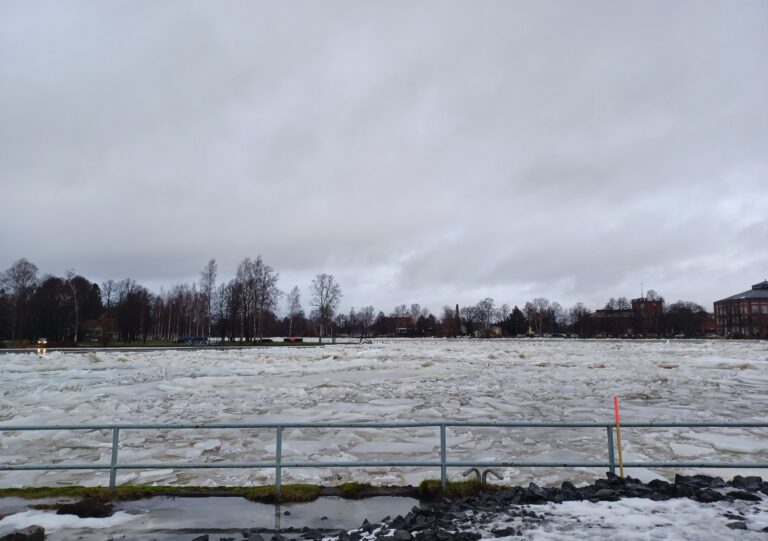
(443,463)
(371,464)
(416,424)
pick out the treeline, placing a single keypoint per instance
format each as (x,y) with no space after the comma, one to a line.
(538,317)
(70,309)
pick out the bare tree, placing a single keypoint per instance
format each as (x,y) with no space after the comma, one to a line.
(651,295)
(349,322)
(450,321)
(622,303)
(416,312)
(365,318)
(314,319)
(294,307)
(502,313)
(265,291)
(108,291)
(223,305)
(123,288)
(470,320)
(536,311)
(20,279)
(207,287)
(244,292)
(484,312)
(579,314)
(326,294)
(70,275)
(686,317)
(557,315)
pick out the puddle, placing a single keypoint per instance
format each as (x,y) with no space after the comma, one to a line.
(176,519)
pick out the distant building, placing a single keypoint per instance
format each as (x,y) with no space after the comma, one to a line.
(644,318)
(648,315)
(744,314)
(707,324)
(610,323)
(394,325)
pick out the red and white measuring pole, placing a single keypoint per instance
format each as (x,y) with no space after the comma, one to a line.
(618,433)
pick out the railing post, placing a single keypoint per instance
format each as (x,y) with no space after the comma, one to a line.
(611,458)
(443,469)
(113,464)
(278,460)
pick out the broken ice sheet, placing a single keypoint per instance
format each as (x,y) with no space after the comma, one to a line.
(390,380)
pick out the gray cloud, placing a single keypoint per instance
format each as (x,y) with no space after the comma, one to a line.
(432,152)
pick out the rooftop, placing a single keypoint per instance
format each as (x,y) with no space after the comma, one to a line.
(758,291)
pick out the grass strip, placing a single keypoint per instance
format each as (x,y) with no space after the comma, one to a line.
(429,489)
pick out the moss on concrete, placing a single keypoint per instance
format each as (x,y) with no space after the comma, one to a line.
(354,490)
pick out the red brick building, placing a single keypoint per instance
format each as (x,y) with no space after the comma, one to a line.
(394,325)
(610,323)
(744,314)
(645,318)
(648,316)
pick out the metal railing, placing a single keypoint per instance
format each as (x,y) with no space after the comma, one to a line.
(443,463)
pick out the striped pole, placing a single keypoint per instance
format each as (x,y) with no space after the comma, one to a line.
(618,433)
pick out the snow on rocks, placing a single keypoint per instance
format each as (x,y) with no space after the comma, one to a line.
(30,533)
(691,508)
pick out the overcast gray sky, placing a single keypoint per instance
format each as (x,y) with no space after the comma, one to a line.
(431,152)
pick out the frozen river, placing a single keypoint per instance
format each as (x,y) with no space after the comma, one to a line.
(408,380)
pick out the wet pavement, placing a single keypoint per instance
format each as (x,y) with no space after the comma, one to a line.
(185,518)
